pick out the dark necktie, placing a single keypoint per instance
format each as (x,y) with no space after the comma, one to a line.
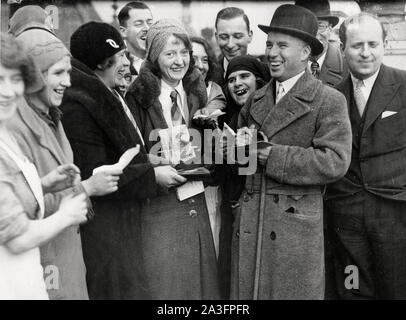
(175,111)
(315,68)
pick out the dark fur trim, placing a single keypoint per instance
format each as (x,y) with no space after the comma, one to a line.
(146,87)
(88,91)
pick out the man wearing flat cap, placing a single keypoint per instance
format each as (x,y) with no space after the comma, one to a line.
(328,66)
(277,250)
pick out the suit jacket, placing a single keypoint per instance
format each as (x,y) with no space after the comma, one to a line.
(382,143)
(310,134)
(47,150)
(334,68)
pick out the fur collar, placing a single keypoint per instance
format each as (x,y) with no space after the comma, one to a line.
(147,87)
(90,92)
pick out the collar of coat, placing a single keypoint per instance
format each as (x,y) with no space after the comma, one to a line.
(55,142)
(272,117)
(90,92)
(147,87)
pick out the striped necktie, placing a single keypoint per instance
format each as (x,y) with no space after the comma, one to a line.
(359,96)
(280,93)
(315,68)
(177,118)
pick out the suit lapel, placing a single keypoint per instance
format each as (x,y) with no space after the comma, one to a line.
(345,87)
(274,117)
(384,89)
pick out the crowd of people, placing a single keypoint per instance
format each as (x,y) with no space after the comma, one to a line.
(320,217)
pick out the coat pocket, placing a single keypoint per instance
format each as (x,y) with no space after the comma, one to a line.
(304,207)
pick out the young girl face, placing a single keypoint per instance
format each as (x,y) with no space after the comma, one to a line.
(57,79)
(240,85)
(11,90)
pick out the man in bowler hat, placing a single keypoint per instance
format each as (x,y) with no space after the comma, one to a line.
(308,130)
(368,205)
(328,66)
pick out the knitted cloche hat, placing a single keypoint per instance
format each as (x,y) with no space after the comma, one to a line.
(159,33)
(45,49)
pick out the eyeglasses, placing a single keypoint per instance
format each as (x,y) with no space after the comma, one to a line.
(322,26)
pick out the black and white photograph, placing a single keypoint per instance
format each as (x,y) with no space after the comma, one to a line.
(208,153)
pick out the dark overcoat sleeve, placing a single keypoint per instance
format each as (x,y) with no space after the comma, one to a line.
(92,148)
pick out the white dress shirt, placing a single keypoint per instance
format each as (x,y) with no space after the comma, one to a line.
(288,84)
(166,102)
(368,84)
(320,61)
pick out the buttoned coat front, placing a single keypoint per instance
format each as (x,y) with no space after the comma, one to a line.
(177,243)
(310,132)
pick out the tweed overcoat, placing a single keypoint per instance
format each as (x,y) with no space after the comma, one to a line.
(311,136)
(100,132)
(178,245)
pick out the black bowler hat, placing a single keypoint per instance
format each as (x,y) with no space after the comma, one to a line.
(297,22)
(321,8)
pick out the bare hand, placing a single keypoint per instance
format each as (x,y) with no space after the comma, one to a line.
(167,177)
(202,111)
(73,209)
(63,177)
(103,183)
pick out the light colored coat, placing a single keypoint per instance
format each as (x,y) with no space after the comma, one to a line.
(47,151)
(311,136)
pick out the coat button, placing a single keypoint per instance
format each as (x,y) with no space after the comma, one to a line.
(237,233)
(275,198)
(246,197)
(273,235)
(193,213)
(191,201)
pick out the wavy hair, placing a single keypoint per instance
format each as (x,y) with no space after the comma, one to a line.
(154,66)
(214,73)
(13,56)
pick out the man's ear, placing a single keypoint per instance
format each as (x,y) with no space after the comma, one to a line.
(250,34)
(123,32)
(385,43)
(306,52)
(101,67)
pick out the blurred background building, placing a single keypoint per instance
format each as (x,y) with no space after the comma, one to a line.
(199,17)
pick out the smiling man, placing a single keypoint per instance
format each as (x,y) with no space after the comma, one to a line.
(368,205)
(233,34)
(307,126)
(135,18)
(329,65)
